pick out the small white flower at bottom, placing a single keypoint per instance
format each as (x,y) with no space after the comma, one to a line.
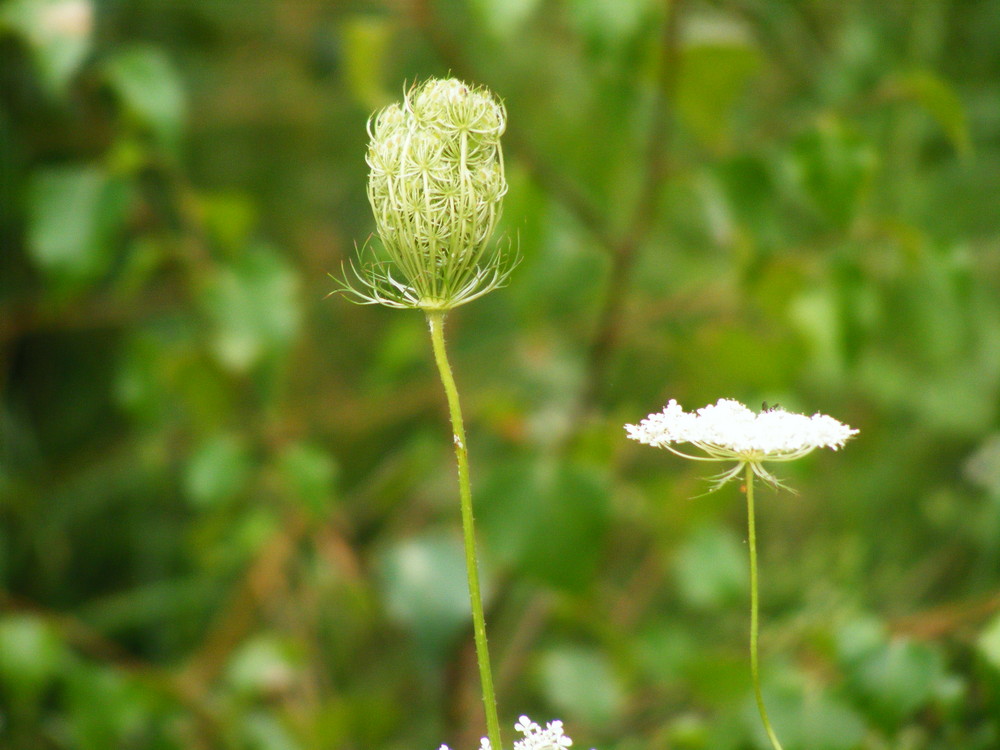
(535,737)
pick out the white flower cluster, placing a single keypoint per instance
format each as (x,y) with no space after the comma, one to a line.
(535,737)
(729,431)
(436,184)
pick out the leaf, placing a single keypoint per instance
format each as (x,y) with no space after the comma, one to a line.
(73,213)
(712,78)
(263,666)
(546,519)
(940,100)
(217,471)
(805,720)
(745,199)
(366,38)
(253,304)
(58,32)
(105,707)
(609,21)
(309,474)
(988,643)
(504,17)
(31,654)
(711,568)
(894,677)
(832,166)
(425,588)
(581,684)
(263,731)
(229,218)
(150,90)
(663,652)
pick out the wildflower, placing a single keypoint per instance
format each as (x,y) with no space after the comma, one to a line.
(535,738)
(729,431)
(436,185)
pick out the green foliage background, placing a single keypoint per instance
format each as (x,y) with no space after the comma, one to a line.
(229,513)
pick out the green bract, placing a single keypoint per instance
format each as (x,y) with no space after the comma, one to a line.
(436,185)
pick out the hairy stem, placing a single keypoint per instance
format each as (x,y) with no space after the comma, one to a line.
(754,667)
(435,319)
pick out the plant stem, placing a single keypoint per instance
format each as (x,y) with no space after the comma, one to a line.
(435,319)
(754,669)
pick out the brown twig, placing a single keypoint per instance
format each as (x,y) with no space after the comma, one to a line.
(946,618)
(266,575)
(624,251)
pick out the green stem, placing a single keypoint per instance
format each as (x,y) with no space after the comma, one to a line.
(754,668)
(435,319)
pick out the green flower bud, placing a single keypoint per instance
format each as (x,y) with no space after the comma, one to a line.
(436,185)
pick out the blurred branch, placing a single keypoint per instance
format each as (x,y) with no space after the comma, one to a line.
(18,319)
(265,577)
(643,215)
(947,618)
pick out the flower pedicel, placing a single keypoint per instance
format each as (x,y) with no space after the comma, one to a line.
(729,432)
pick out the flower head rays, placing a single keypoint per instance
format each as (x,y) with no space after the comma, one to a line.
(730,432)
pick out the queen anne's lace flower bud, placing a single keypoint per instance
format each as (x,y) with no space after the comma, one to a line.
(436,184)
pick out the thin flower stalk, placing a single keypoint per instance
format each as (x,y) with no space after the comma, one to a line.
(435,320)
(729,432)
(754,612)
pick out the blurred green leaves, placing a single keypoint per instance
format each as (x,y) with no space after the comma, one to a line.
(254,308)
(310,475)
(989,643)
(228,513)
(940,101)
(217,470)
(75,216)
(711,568)
(366,41)
(581,683)
(150,91)
(891,677)
(832,167)
(712,79)
(31,657)
(59,33)
(548,521)
(425,589)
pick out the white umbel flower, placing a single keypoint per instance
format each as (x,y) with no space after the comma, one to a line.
(729,431)
(550,737)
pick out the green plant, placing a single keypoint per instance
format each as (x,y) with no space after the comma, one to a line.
(435,184)
(729,432)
